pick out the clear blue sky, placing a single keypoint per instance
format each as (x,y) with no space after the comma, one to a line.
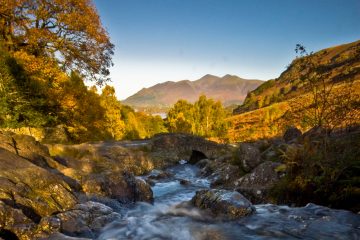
(161,40)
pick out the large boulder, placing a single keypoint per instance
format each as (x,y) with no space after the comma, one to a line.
(86,219)
(249,156)
(256,185)
(124,187)
(220,172)
(223,204)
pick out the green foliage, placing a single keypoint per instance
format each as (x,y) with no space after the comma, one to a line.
(204,118)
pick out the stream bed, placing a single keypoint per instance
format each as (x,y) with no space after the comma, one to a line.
(171,218)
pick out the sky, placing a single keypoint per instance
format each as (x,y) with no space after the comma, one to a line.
(171,40)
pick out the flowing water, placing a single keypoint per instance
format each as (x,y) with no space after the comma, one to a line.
(170,218)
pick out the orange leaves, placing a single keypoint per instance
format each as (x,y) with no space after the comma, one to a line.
(69,31)
(40,69)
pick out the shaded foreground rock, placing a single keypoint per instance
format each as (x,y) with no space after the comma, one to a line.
(86,219)
(257,184)
(123,187)
(223,204)
(249,156)
(219,171)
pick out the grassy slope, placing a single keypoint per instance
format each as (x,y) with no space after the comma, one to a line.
(262,114)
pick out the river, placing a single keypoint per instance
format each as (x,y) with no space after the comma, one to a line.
(169,218)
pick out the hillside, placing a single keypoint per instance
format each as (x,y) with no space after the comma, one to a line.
(229,89)
(336,64)
(288,100)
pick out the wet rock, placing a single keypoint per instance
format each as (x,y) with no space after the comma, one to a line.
(86,219)
(143,191)
(256,185)
(158,174)
(291,134)
(123,187)
(223,204)
(184,182)
(249,156)
(224,175)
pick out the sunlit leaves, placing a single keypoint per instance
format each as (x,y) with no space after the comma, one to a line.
(68,30)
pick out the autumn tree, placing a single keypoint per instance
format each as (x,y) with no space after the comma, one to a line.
(204,118)
(180,117)
(69,31)
(113,124)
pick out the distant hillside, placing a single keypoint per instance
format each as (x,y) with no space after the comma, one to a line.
(270,108)
(229,89)
(336,64)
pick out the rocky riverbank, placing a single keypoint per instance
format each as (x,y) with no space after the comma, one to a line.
(65,191)
(73,191)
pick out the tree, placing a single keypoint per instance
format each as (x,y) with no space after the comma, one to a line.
(113,123)
(179,117)
(204,118)
(68,30)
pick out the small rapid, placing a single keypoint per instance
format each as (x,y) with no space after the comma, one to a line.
(171,217)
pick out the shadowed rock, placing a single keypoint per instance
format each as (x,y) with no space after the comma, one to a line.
(223,204)
(249,156)
(256,185)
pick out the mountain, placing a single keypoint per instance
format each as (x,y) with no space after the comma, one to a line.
(229,89)
(289,100)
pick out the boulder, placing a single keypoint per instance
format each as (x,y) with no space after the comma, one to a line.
(123,187)
(86,219)
(291,134)
(158,174)
(256,185)
(184,182)
(249,156)
(223,204)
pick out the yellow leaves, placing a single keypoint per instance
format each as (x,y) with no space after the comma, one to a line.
(41,69)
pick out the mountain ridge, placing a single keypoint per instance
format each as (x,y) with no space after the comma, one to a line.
(229,89)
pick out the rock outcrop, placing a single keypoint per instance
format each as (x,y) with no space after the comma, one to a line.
(223,204)
(257,184)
